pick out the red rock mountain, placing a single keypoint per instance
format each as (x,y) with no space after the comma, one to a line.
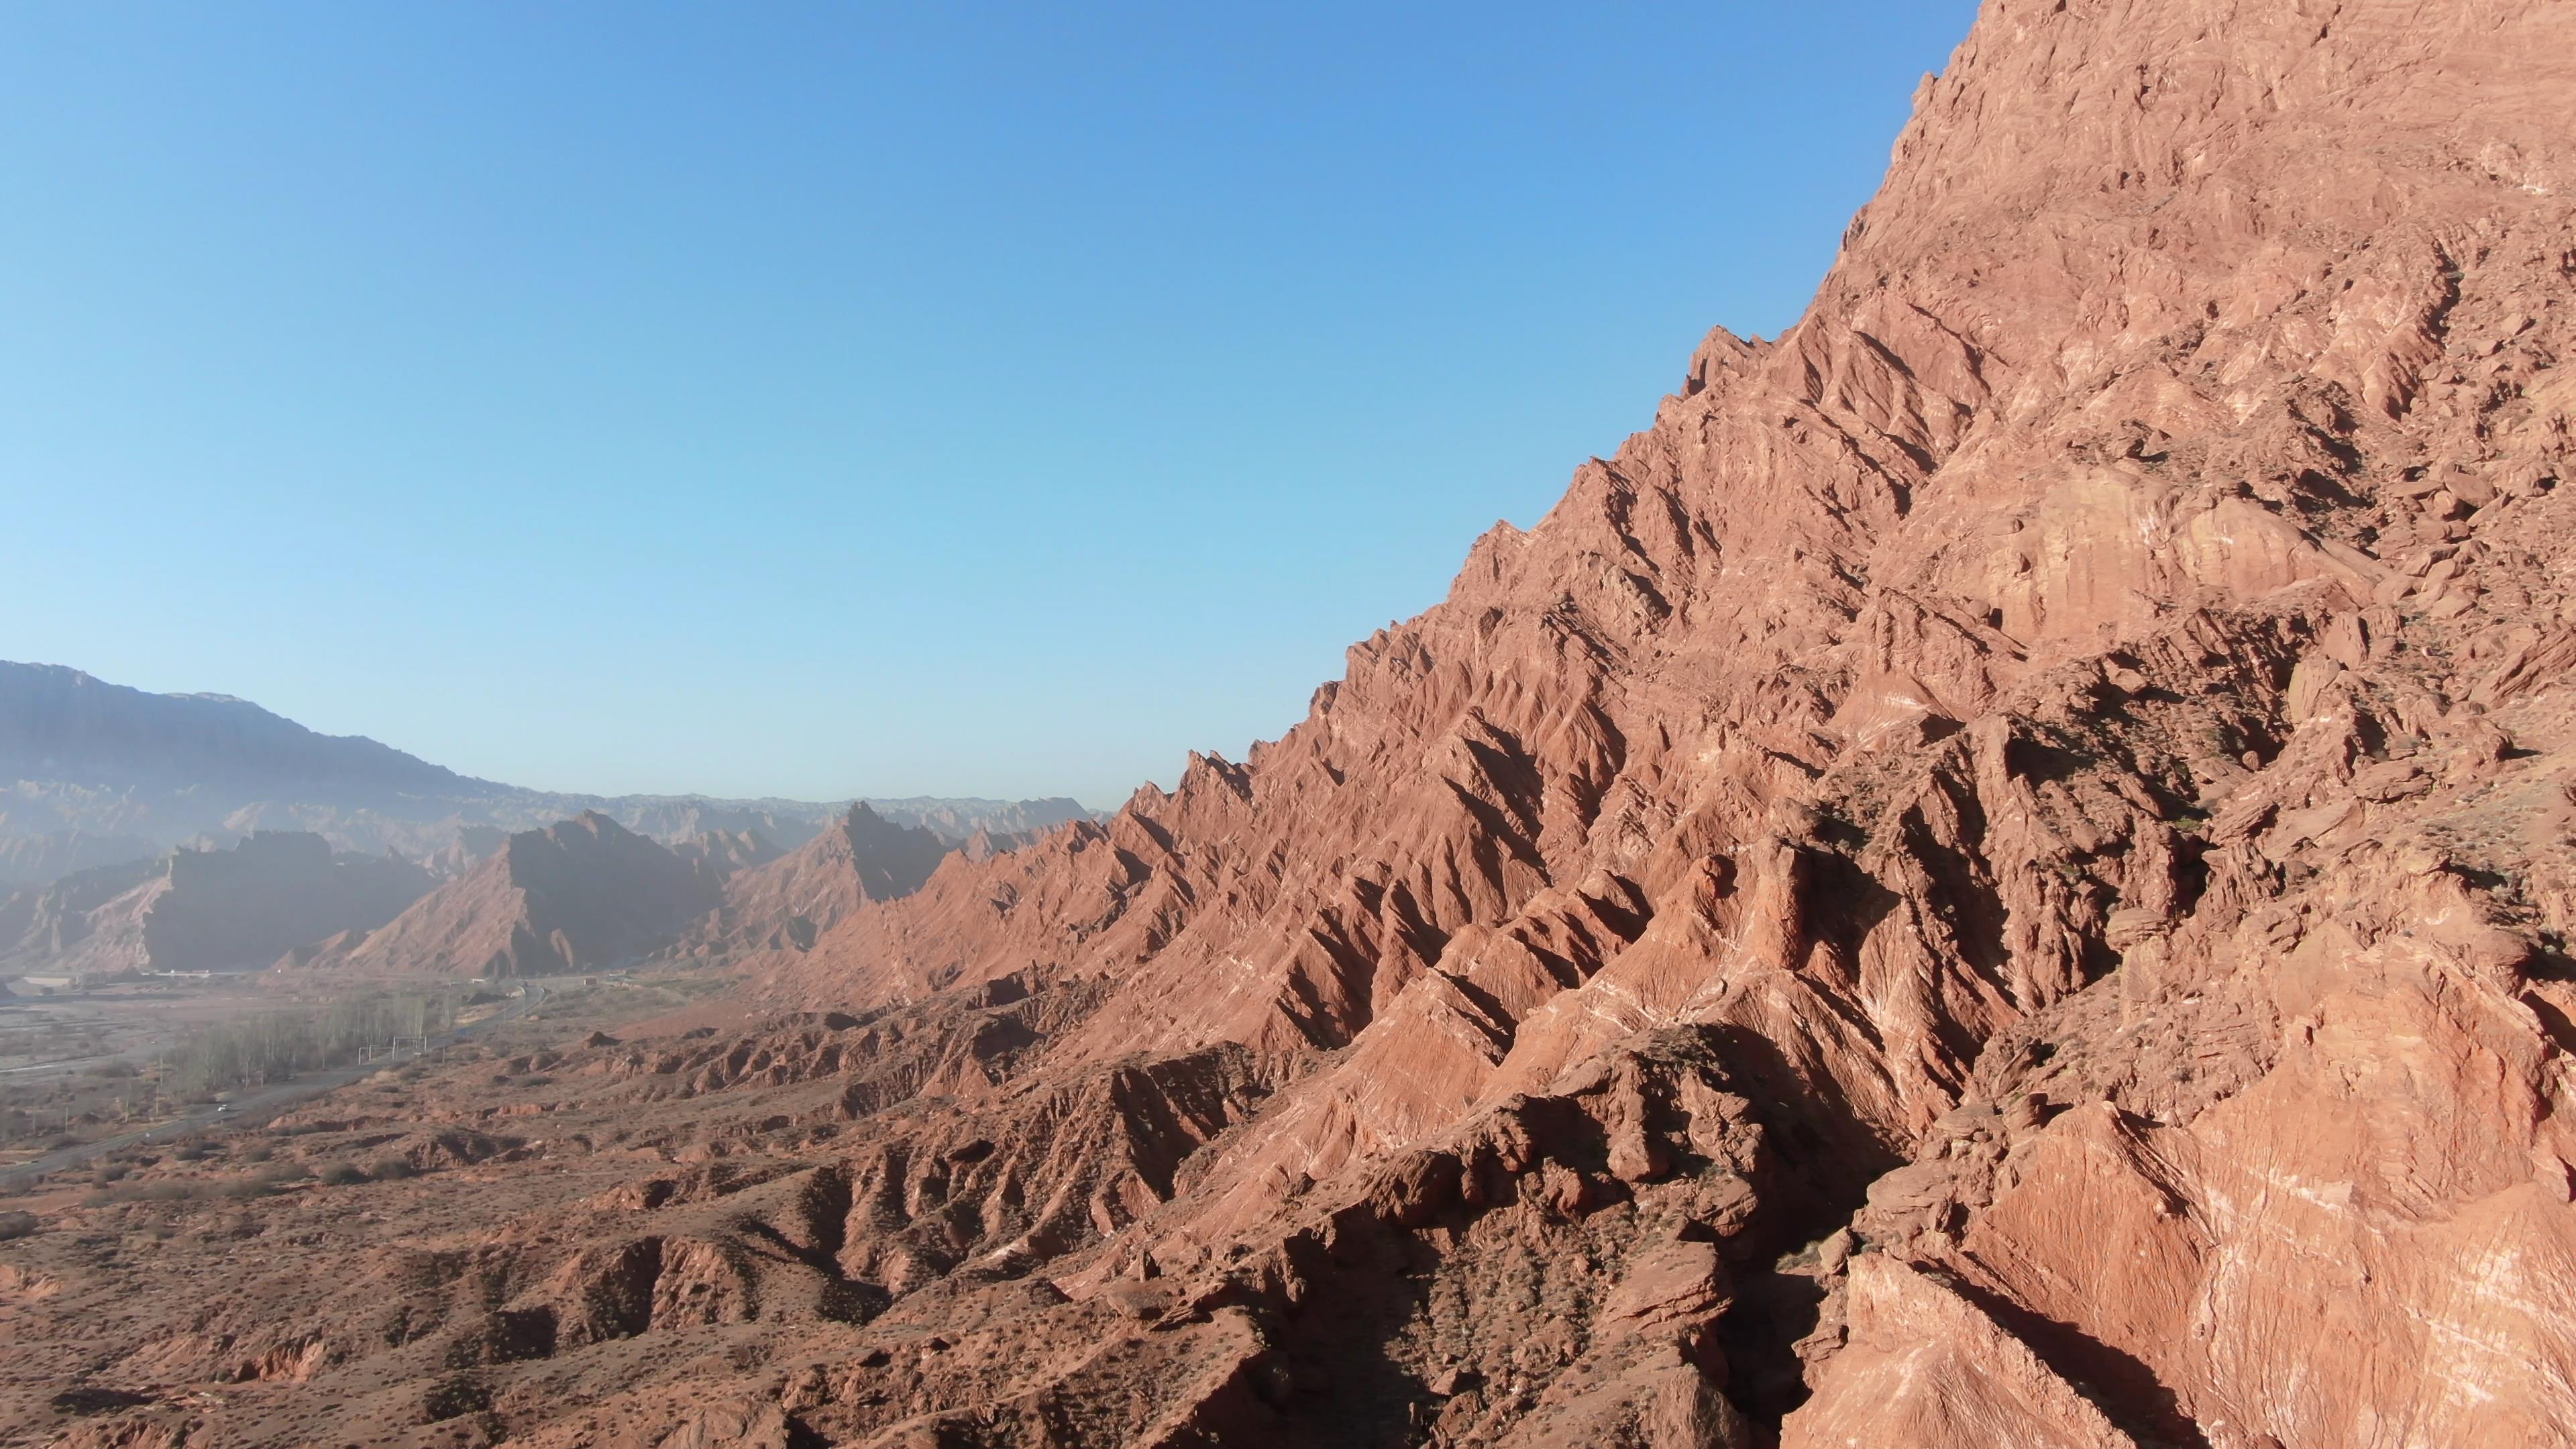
(583,895)
(2065,747)
(786,902)
(589,894)
(2000,875)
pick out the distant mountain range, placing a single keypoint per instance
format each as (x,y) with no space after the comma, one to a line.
(94,774)
(588,894)
(159,832)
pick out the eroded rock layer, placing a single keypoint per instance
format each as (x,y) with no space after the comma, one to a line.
(1999,875)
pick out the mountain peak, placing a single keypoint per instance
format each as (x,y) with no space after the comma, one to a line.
(57,722)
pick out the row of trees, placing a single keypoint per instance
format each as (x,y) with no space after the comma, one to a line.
(276,1047)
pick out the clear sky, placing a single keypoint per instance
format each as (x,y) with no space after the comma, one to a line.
(821,400)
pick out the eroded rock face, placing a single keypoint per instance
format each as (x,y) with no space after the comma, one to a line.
(2001,874)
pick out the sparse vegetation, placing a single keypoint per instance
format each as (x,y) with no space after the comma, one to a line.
(277,1047)
(190,1189)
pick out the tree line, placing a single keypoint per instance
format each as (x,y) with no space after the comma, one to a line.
(278,1046)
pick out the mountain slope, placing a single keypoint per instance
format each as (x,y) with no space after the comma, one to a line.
(1999,875)
(2147,549)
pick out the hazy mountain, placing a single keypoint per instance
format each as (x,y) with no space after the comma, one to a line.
(201,910)
(35,859)
(93,773)
(63,725)
(582,894)
(958,820)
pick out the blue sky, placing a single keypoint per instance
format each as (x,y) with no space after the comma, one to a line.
(822,400)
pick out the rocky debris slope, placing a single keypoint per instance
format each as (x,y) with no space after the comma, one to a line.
(205,910)
(2000,875)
